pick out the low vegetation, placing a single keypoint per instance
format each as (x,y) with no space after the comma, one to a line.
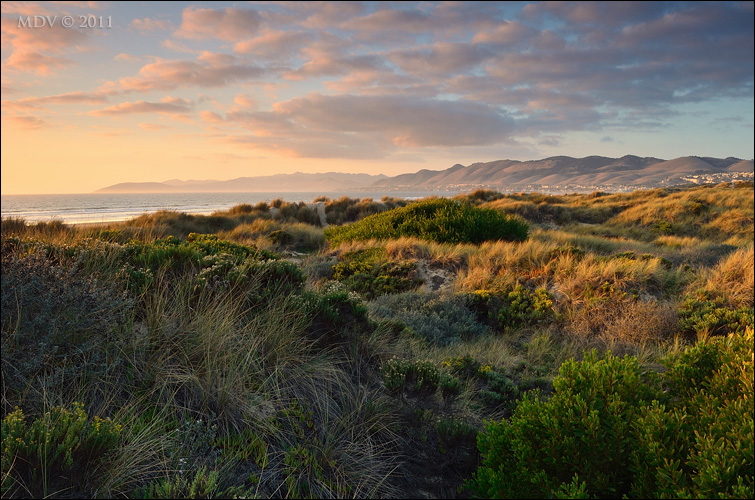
(490,345)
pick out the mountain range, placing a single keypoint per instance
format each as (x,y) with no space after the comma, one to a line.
(590,172)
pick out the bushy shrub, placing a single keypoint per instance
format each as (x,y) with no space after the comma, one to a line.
(582,430)
(439,319)
(611,432)
(700,445)
(369,273)
(419,375)
(441,220)
(496,388)
(706,314)
(522,306)
(59,325)
(59,451)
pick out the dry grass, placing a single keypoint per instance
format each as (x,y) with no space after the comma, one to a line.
(733,278)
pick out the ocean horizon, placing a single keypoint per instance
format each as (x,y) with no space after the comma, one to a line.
(116,207)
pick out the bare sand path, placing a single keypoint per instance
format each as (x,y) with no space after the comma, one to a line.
(321,212)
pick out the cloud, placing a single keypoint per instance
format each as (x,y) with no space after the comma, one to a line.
(229,24)
(323,15)
(147,25)
(168,105)
(82,5)
(506,33)
(350,126)
(153,126)
(123,57)
(69,98)
(275,45)
(27,122)
(440,59)
(389,23)
(24,9)
(210,117)
(38,50)
(324,63)
(34,62)
(208,70)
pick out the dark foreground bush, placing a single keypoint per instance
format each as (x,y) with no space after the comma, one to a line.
(611,432)
(58,451)
(441,220)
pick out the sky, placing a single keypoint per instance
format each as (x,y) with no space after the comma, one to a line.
(97,93)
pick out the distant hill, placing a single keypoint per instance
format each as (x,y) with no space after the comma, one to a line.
(630,171)
(564,172)
(297,182)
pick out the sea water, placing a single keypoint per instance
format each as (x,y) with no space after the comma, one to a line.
(113,207)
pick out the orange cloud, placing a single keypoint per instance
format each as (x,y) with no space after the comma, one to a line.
(27,122)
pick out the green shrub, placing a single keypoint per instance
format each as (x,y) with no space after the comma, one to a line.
(708,314)
(453,433)
(524,307)
(611,432)
(441,220)
(369,273)
(450,386)
(700,445)
(59,451)
(419,375)
(201,485)
(439,319)
(584,429)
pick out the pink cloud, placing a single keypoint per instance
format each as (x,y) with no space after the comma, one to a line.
(321,15)
(123,57)
(69,98)
(336,126)
(506,33)
(27,122)
(208,70)
(244,102)
(230,24)
(34,62)
(153,126)
(323,62)
(274,44)
(440,58)
(211,117)
(37,50)
(146,25)
(167,105)
(24,9)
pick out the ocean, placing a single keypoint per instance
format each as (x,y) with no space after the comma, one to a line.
(99,207)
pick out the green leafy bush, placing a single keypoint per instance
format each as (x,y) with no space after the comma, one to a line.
(440,319)
(522,306)
(369,273)
(700,445)
(708,314)
(610,431)
(419,375)
(583,430)
(441,220)
(58,451)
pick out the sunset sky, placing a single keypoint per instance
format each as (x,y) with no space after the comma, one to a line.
(150,91)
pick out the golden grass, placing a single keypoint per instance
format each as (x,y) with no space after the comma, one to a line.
(733,278)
